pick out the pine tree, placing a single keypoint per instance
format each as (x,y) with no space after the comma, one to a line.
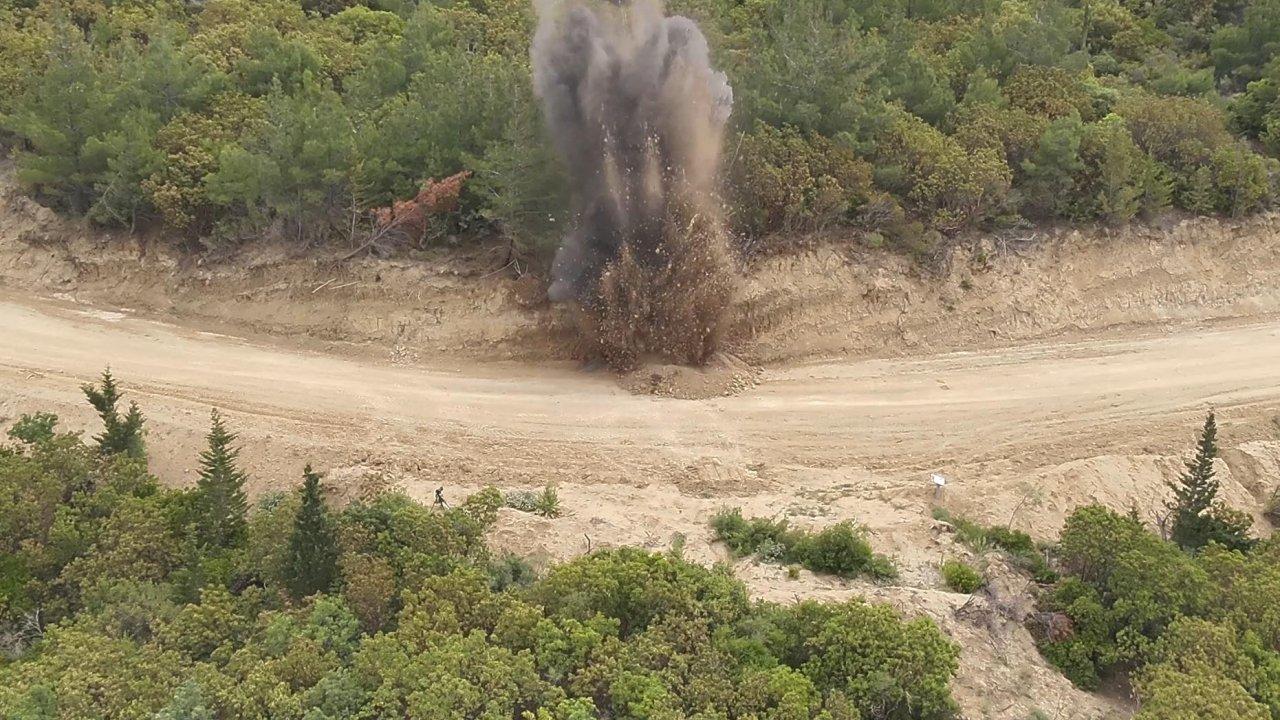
(121,435)
(1197,516)
(1201,194)
(312,564)
(221,504)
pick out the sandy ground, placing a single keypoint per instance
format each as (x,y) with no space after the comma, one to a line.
(514,423)
(1037,373)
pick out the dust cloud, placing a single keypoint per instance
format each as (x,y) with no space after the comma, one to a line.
(637,113)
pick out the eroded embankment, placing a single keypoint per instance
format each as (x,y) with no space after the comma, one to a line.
(832,300)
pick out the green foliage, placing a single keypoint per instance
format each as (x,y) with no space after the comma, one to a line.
(786,181)
(1168,694)
(548,502)
(122,434)
(69,104)
(1119,179)
(746,537)
(228,119)
(1196,629)
(1048,92)
(192,144)
(312,563)
(1241,51)
(521,183)
(841,549)
(424,622)
(952,186)
(1018,546)
(1052,167)
(1197,517)
(806,64)
(876,661)
(545,503)
(297,168)
(34,429)
(221,504)
(1178,131)
(960,576)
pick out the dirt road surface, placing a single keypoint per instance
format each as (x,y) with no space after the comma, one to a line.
(916,412)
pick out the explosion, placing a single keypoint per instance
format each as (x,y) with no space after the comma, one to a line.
(637,113)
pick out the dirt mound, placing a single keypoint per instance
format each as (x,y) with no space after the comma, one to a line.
(724,375)
(1040,500)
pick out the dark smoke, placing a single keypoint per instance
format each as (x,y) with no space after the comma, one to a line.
(637,112)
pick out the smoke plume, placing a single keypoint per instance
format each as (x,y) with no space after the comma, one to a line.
(637,113)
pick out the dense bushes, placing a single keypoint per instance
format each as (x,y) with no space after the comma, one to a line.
(116,602)
(1201,630)
(786,181)
(228,118)
(841,549)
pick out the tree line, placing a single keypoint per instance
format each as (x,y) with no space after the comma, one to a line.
(1188,615)
(907,120)
(121,598)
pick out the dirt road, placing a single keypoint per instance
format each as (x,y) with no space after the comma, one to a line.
(557,423)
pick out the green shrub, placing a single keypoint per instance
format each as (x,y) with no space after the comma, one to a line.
(746,537)
(951,186)
(961,577)
(789,182)
(853,646)
(1134,598)
(881,567)
(34,429)
(1176,130)
(103,566)
(1167,693)
(510,571)
(548,503)
(1021,549)
(1048,92)
(841,549)
(545,502)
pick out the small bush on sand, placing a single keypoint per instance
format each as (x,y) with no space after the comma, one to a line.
(545,503)
(841,549)
(749,537)
(961,577)
(1018,546)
